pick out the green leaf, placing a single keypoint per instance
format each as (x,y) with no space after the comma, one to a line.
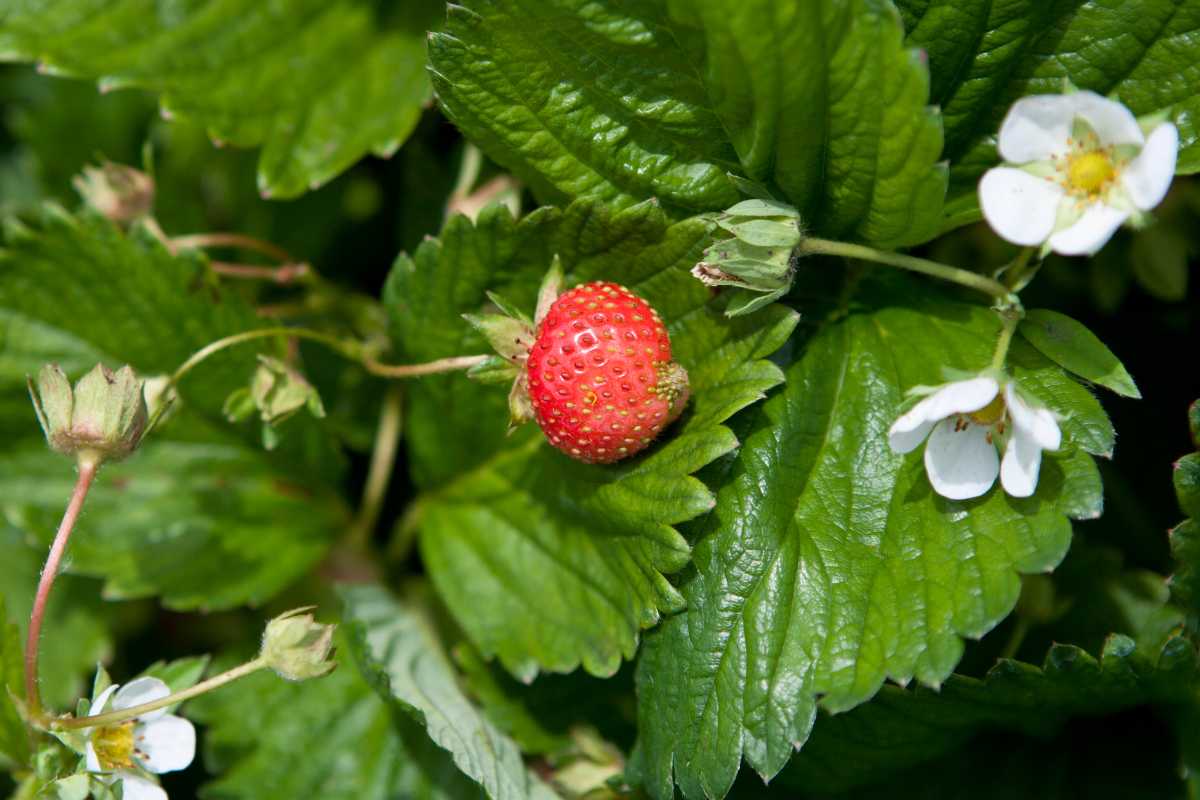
(985,55)
(544,561)
(1077,350)
(829,565)
(905,727)
(624,102)
(1185,537)
(333,738)
(204,525)
(541,716)
(398,649)
(75,633)
(317,85)
(14,735)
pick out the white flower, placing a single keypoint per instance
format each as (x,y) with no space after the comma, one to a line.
(966,422)
(155,741)
(1079,165)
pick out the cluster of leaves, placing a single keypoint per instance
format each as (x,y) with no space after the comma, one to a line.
(768,578)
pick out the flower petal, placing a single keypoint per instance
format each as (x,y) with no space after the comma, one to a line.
(960,397)
(1090,232)
(961,464)
(1020,207)
(1037,127)
(1038,424)
(1022,461)
(135,787)
(142,690)
(1148,176)
(98,704)
(165,744)
(90,758)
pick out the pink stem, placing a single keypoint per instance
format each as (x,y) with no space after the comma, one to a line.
(87,472)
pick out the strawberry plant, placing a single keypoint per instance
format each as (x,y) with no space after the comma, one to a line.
(607,399)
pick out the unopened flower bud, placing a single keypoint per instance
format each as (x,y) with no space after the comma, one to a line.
(276,392)
(121,193)
(298,647)
(754,253)
(101,419)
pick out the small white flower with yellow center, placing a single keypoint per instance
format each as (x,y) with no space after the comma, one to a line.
(155,741)
(1078,166)
(967,423)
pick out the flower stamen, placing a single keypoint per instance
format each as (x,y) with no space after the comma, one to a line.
(114,745)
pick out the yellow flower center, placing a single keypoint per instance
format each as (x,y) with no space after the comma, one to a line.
(114,745)
(1090,172)
(990,414)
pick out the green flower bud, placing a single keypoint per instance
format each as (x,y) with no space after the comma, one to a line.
(298,647)
(276,392)
(121,193)
(753,251)
(101,419)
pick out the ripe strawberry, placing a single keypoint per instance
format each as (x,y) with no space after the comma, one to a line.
(596,372)
(600,374)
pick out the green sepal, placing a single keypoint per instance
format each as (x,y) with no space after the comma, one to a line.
(764,232)
(494,370)
(749,303)
(762,207)
(550,288)
(508,308)
(508,336)
(74,787)
(520,406)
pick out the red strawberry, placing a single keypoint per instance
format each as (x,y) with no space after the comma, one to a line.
(597,374)
(600,374)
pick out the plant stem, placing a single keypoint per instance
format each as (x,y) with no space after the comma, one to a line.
(414,370)
(962,277)
(88,467)
(1016,272)
(283,274)
(1009,320)
(348,349)
(352,350)
(114,717)
(1016,638)
(238,240)
(383,455)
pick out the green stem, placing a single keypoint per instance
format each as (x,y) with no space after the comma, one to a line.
(383,455)
(962,277)
(1016,638)
(1009,321)
(114,717)
(348,349)
(1019,267)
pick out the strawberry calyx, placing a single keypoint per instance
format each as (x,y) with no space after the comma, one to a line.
(511,333)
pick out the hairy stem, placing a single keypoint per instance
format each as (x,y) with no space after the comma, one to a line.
(283,274)
(348,349)
(88,467)
(962,277)
(133,712)
(383,455)
(239,240)
(353,350)
(415,370)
